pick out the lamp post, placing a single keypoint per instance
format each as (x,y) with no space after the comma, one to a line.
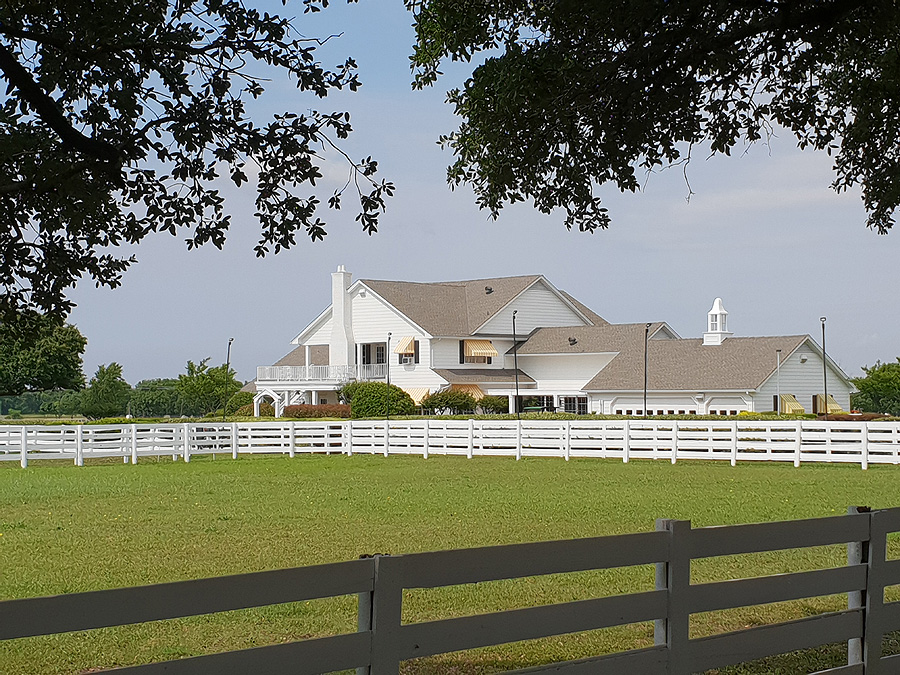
(646,341)
(387,367)
(227,378)
(824,367)
(516,362)
(778,381)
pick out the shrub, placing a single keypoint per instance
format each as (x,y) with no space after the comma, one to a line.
(451,402)
(321,410)
(496,405)
(14,414)
(372,399)
(265,410)
(239,400)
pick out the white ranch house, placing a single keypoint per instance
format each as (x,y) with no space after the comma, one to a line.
(427,337)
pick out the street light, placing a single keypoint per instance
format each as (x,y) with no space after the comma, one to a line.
(778,381)
(646,340)
(227,378)
(516,362)
(387,366)
(824,367)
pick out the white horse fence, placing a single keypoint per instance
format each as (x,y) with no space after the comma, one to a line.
(796,441)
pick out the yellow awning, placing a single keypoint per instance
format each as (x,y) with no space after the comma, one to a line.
(407,345)
(790,405)
(833,406)
(417,393)
(480,348)
(472,389)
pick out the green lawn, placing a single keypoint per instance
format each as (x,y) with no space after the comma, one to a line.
(66,529)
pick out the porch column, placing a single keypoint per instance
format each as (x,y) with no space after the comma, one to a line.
(512,404)
(314,398)
(279,404)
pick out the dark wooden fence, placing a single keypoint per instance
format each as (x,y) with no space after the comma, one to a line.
(382,642)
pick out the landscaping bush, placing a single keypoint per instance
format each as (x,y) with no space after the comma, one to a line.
(14,414)
(265,410)
(449,402)
(239,400)
(374,399)
(321,410)
(494,405)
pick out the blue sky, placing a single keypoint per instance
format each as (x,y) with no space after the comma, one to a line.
(762,230)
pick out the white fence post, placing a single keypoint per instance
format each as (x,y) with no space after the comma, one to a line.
(234,440)
(626,441)
(734,444)
(864,446)
(293,433)
(674,576)
(134,443)
(186,442)
(674,441)
(518,440)
(471,450)
(798,443)
(426,439)
(79,445)
(568,424)
(349,438)
(23,438)
(387,437)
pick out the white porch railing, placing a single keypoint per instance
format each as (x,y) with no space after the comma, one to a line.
(375,371)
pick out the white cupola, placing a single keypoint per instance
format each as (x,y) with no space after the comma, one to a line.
(716,324)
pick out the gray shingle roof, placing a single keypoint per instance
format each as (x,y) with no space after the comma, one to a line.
(686,364)
(479,375)
(318,354)
(458,308)
(588,339)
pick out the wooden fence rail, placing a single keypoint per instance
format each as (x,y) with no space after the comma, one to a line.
(795,441)
(382,641)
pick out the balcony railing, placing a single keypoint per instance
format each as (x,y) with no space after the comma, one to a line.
(375,371)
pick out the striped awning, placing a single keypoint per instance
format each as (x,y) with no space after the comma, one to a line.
(407,345)
(790,405)
(472,389)
(833,406)
(480,348)
(417,393)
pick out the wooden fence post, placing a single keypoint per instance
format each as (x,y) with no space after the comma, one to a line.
(134,443)
(734,444)
(674,441)
(387,437)
(387,604)
(23,449)
(349,438)
(857,554)
(798,443)
(518,440)
(293,433)
(79,445)
(864,446)
(426,439)
(186,443)
(674,576)
(568,424)
(471,450)
(626,441)
(873,626)
(234,440)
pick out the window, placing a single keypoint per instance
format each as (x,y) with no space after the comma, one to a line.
(575,404)
(627,412)
(671,412)
(323,401)
(409,356)
(372,353)
(713,323)
(476,351)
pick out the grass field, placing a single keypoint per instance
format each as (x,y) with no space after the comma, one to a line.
(65,529)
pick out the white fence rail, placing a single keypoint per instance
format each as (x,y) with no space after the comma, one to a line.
(734,441)
(374,371)
(383,641)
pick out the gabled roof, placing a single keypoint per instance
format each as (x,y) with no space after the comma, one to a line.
(688,364)
(459,308)
(588,339)
(595,318)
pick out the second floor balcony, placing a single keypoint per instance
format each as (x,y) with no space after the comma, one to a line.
(329,374)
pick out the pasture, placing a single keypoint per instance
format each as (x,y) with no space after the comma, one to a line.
(64,529)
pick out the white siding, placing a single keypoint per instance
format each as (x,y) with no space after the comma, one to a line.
(565,372)
(537,307)
(446,354)
(322,335)
(635,402)
(803,380)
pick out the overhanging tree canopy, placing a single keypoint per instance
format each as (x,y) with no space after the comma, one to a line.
(119,116)
(39,353)
(574,94)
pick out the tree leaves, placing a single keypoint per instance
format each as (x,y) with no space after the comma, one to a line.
(120,118)
(572,95)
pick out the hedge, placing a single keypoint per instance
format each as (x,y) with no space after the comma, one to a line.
(315,411)
(370,399)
